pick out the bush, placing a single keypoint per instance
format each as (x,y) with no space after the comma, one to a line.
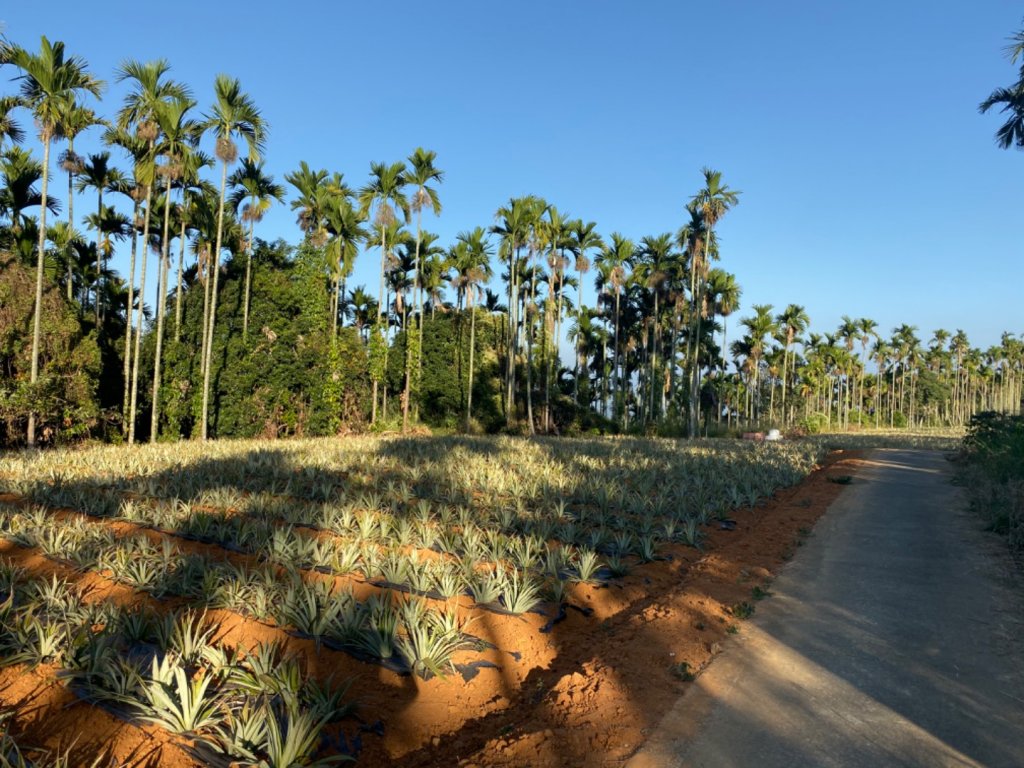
(994,472)
(814,423)
(64,398)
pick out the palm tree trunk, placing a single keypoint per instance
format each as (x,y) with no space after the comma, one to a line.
(656,333)
(154,423)
(342,291)
(616,371)
(380,309)
(408,347)
(142,303)
(205,429)
(545,357)
(419,316)
(528,326)
(71,212)
(126,396)
(334,312)
(181,267)
(37,319)
(207,279)
(785,371)
(670,360)
(579,309)
(472,345)
(513,324)
(99,255)
(248,273)
(725,347)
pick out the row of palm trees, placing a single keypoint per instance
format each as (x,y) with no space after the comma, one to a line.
(158,128)
(646,353)
(854,376)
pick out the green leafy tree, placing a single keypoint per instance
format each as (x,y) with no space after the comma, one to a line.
(62,399)
(48,82)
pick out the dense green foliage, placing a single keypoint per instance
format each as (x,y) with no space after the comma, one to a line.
(994,474)
(290,378)
(65,393)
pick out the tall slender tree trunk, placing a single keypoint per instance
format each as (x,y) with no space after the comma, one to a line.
(528,325)
(670,360)
(165,247)
(513,329)
(725,348)
(99,257)
(142,303)
(205,429)
(653,375)
(207,279)
(616,369)
(334,312)
(71,214)
(785,370)
(380,310)
(419,317)
(472,347)
(38,316)
(407,394)
(126,395)
(579,337)
(181,267)
(248,280)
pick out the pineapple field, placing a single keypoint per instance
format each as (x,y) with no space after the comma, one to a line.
(388,601)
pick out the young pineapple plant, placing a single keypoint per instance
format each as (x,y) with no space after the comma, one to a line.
(429,638)
(178,701)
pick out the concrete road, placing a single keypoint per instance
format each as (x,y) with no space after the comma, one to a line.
(894,638)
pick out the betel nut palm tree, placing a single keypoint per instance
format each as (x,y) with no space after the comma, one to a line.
(99,174)
(421,173)
(233,114)
(254,191)
(180,136)
(150,89)
(584,238)
(49,80)
(1010,99)
(713,201)
(345,228)
(383,193)
(473,269)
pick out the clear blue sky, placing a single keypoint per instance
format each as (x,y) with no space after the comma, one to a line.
(871,185)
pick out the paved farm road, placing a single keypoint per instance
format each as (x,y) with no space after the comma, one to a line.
(894,638)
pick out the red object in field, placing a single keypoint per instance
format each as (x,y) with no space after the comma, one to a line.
(753,436)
